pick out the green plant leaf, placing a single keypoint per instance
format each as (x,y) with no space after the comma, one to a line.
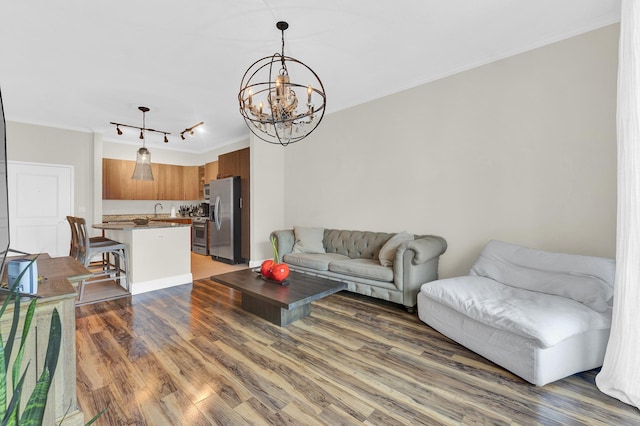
(34,411)
(3,384)
(94,418)
(8,348)
(11,415)
(17,363)
(276,257)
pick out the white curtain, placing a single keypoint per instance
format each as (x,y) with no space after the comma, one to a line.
(620,375)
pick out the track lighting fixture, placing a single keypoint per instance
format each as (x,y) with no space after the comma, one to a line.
(190,130)
(144,129)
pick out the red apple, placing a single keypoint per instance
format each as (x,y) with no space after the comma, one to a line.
(265,268)
(280,272)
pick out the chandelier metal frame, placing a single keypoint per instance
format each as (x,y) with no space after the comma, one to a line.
(276,119)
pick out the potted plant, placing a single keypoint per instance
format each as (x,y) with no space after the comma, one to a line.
(11,413)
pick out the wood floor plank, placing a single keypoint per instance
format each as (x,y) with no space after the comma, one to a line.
(190,355)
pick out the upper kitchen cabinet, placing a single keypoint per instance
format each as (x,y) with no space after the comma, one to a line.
(210,171)
(146,189)
(170,182)
(229,164)
(191,183)
(116,179)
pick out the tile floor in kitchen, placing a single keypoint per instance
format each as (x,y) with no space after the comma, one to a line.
(201,267)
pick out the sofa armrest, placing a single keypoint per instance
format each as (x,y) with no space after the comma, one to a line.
(425,248)
(416,263)
(284,241)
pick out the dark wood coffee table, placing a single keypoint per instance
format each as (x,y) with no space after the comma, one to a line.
(279,304)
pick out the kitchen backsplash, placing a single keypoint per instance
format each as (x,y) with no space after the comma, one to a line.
(144,207)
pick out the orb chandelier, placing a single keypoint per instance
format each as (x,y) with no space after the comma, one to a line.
(270,101)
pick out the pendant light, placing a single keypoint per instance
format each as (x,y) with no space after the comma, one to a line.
(143,157)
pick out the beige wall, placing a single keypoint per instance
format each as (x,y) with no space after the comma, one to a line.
(41,144)
(267,196)
(521,150)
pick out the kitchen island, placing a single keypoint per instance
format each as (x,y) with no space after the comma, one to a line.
(159,253)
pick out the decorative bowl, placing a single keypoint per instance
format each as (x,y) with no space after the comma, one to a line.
(141,220)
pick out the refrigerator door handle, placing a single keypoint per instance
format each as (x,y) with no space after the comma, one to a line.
(217,213)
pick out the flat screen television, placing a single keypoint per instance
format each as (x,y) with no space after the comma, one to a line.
(4,196)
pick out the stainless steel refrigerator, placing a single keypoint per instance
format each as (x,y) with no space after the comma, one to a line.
(224,220)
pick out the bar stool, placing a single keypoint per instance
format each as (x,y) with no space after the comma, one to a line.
(84,248)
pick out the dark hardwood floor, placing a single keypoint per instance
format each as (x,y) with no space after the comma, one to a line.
(189,355)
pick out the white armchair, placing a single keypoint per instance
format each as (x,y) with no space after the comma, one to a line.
(541,315)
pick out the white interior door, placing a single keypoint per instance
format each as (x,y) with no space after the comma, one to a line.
(40,199)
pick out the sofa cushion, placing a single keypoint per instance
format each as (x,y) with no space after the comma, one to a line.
(308,240)
(585,279)
(364,268)
(388,250)
(544,318)
(316,261)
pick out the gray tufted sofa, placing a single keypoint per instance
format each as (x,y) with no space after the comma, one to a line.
(352,257)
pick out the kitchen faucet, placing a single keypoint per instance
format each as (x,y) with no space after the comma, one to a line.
(155,213)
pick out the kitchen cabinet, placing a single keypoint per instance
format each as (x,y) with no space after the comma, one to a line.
(146,189)
(171,182)
(116,179)
(229,164)
(210,171)
(191,183)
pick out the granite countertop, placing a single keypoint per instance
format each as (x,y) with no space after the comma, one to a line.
(130,217)
(132,226)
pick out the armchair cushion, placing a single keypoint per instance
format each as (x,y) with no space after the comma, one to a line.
(576,277)
(544,318)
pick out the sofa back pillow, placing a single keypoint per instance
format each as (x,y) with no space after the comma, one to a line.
(388,250)
(308,240)
(585,279)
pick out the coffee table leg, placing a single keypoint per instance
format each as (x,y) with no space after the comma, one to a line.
(272,313)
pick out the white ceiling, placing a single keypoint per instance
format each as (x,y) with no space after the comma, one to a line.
(80,64)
